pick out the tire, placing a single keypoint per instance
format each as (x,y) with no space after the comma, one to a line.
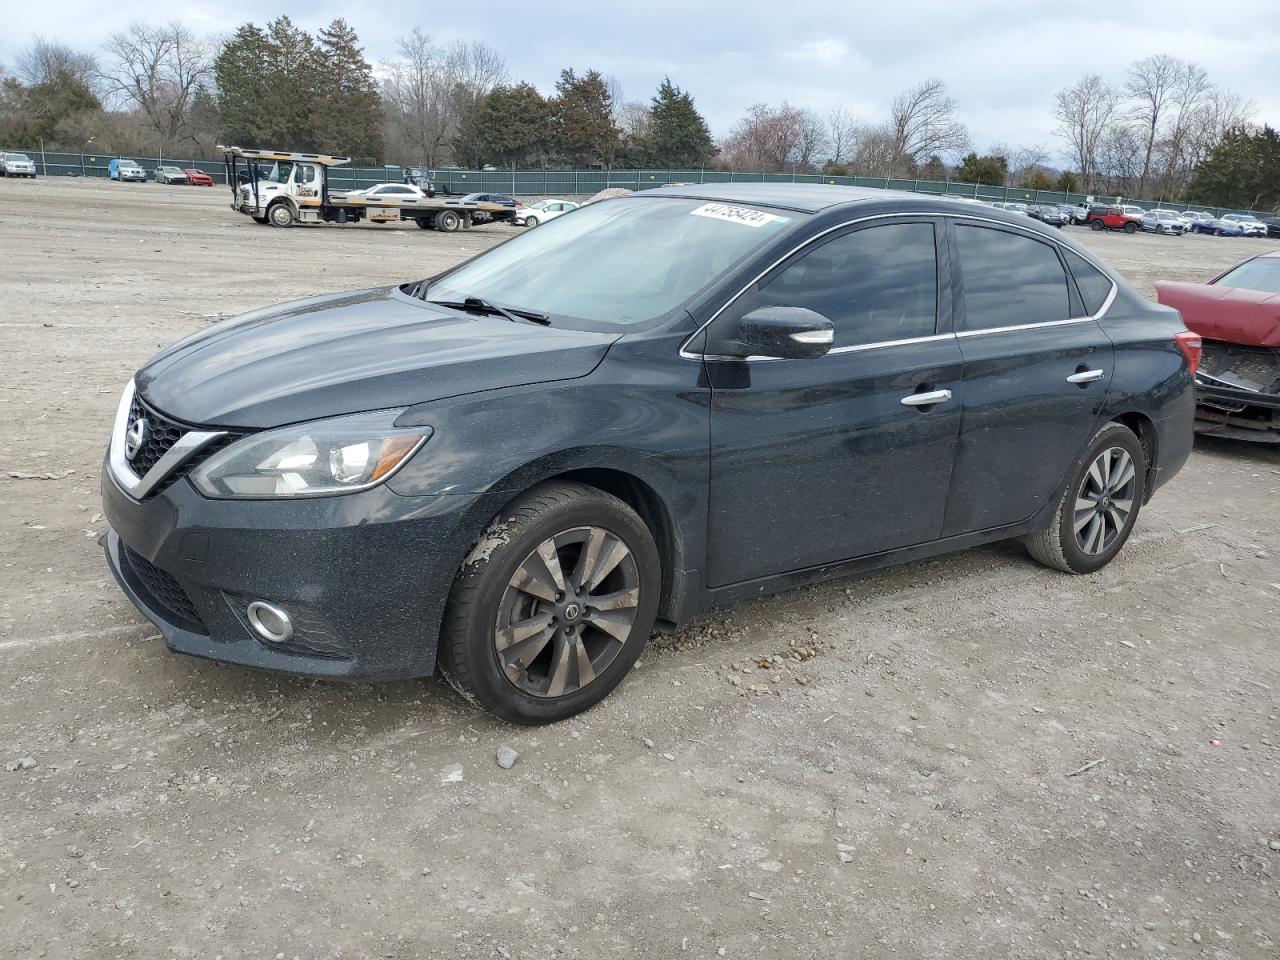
(1096,225)
(447,221)
(563,520)
(530,222)
(280,214)
(1130,228)
(426,223)
(1104,531)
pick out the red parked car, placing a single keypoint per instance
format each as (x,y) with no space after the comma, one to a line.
(198,178)
(1114,218)
(1238,316)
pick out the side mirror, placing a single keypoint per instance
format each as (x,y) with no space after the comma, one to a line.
(786,333)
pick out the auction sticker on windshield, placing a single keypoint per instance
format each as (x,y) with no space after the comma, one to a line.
(743,215)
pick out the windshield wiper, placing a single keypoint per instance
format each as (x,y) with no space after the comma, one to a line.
(481,305)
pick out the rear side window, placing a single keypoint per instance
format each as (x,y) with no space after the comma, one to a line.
(1009,279)
(1093,284)
(875,284)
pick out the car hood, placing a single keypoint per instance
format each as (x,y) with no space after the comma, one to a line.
(1250,317)
(348,353)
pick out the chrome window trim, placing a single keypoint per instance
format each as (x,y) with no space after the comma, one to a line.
(686,354)
(123,474)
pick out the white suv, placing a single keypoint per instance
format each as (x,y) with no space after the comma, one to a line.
(16,165)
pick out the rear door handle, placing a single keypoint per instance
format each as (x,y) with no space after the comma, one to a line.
(927,399)
(1085,376)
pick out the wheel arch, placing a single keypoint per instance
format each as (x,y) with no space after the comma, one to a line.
(1145,429)
(631,488)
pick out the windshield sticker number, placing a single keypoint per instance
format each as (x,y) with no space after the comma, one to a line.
(741,215)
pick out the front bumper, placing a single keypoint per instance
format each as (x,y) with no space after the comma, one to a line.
(364,577)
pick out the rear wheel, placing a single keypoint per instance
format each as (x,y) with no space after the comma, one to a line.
(553,605)
(1095,224)
(280,214)
(1098,507)
(448,221)
(426,223)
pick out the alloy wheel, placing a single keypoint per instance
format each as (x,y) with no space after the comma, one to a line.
(567,611)
(1104,500)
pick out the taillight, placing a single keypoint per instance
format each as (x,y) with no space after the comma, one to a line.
(1190,344)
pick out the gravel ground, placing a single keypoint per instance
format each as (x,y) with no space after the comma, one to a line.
(876,767)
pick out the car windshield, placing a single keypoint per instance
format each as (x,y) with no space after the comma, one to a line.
(616,262)
(18,156)
(129,165)
(1260,274)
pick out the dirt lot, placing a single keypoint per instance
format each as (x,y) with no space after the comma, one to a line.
(177,808)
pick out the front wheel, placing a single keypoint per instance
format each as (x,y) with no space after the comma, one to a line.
(1130,228)
(530,221)
(1099,505)
(552,606)
(280,214)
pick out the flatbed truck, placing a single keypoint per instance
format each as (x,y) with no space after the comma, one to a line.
(284,188)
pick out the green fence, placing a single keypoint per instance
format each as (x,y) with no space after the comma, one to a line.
(583,183)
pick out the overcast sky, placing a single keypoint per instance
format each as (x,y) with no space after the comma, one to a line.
(1003,70)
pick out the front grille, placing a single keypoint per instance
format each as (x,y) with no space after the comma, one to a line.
(166,592)
(162,434)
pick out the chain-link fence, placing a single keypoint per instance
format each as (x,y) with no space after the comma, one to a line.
(583,183)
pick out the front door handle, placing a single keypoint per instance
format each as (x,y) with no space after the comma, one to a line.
(1085,376)
(927,399)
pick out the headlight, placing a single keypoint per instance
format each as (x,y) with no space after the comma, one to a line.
(317,459)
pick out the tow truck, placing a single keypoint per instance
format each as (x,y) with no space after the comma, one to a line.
(283,188)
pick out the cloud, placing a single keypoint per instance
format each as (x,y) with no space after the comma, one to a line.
(822,50)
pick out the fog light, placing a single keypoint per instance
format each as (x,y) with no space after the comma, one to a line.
(269,622)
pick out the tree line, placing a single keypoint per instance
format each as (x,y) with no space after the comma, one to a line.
(1162,131)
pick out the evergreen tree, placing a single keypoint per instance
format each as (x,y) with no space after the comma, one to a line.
(243,71)
(583,108)
(679,136)
(41,109)
(510,128)
(990,170)
(347,111)
(933,169)
(1242,171)
(291,88)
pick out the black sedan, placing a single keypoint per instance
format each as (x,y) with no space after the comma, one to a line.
(501,198)
(654,405)
(1048,213)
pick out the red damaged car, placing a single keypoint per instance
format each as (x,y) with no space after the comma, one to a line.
(198,178)
(1238,316)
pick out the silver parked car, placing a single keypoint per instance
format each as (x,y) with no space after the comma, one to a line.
(169,175)
(17,165)
(1164,221)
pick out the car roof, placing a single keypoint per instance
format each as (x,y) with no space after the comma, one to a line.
(816,197)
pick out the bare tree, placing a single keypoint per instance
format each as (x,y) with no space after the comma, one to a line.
(1150,86)
(158,69)
(634,119)
(811,139)
(45,59)
(430,91)
(874,155)
(1191,89)
(765,139)
(923,122)
(842,133)
(1084,112)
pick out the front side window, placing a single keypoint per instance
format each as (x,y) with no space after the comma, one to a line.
(1009,279)
(876,284)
